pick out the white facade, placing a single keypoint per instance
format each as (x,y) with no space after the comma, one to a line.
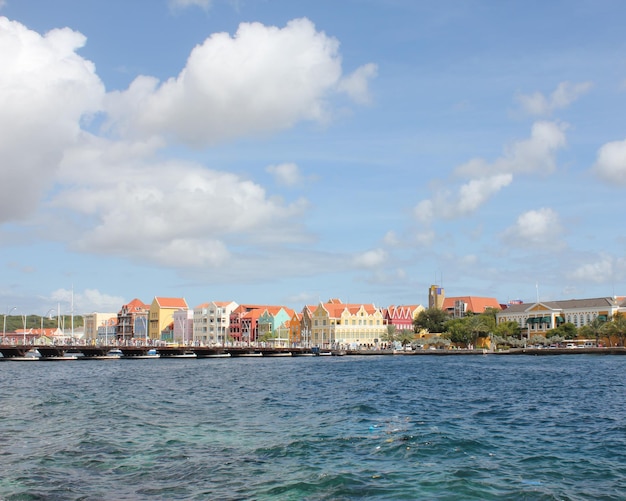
(211,322)
(535,318)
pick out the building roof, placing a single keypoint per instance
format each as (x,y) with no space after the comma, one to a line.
(567,304)
(171,302)
(474,304)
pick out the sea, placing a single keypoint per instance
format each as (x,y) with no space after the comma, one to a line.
(315,428)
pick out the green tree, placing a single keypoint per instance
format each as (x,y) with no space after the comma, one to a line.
(458,331)
(617,327)
(390,335)
(566,331)
(508,329)
(405,337)
(594,329)
(432,320)
(478,326)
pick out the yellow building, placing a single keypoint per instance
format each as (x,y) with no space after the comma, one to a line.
(161,314)
(349,325)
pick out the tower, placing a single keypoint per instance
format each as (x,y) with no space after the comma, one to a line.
(436,296)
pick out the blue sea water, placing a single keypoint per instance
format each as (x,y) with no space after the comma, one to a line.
(315,428)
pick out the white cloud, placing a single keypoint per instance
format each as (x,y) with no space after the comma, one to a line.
(536,228)
(263,79)
(287,174)
(600,271)
(370,259)
(86,301)
(610,165)
(356,84)
(564,95)
(470,197)
(117,194)
(46,90)
(534,154)
(180,215)
(183,4)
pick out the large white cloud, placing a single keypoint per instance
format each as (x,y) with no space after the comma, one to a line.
(173,213)
(260,80)
(119,193)
(610,165)
(45,91)
(531,155)
(540,228)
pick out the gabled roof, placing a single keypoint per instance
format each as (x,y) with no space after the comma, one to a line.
(336,309)
(171,302)
(137,304)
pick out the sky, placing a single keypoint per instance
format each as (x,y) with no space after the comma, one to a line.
(284,153)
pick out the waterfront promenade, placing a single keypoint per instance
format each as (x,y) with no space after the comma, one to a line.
(80,352)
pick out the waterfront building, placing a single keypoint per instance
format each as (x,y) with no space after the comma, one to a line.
(306,324)
(96,322)
(132,320)
(538,318)
(294,326)
(243,323)
(402,317)
(459,307)
(182,330)
(107,331)
(211,322)
(270,320)
(352,325)
(35,336)
(161,315)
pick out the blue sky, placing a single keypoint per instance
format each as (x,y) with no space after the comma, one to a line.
(285,152)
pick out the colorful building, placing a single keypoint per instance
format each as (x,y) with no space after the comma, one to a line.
(402,317)
(132,320)
(161,316)
(351,325)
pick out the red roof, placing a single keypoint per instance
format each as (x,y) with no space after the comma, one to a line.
(171,302)
(474,304)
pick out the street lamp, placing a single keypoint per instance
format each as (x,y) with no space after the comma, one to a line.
(4,329)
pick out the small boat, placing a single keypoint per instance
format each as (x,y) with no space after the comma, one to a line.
(187,354)
(63,358)
(30,356)
(113,354)
(151,353)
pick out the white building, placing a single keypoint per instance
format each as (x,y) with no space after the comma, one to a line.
(211,322)
(537,318)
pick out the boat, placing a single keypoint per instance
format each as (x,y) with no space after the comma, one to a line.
(187,354)
(151,353)
(30,356)
(113,354)
(63,358)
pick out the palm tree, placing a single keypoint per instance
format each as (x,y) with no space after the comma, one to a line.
(617,327)
(594,329)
